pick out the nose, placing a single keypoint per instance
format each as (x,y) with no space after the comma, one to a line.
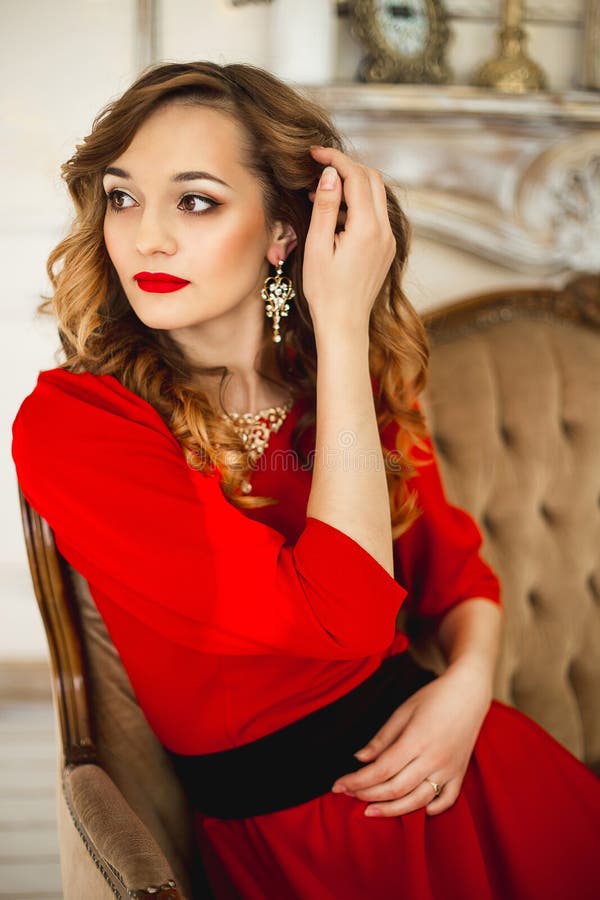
(153,235)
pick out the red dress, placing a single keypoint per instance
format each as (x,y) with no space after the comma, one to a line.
(234,623)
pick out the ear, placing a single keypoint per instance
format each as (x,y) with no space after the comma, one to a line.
(283,241)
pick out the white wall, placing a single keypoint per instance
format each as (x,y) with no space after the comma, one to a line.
(60,61)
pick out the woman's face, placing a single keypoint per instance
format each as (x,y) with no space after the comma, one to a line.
(181,203)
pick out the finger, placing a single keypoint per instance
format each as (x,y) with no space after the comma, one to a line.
(380,204)
(334,157)
(447,798)
(341,219)
(379,194)
(387,766)
(357,187)
(345,165)
(405,781)
(325,210)
(311,197)
(389,732)
(417,799)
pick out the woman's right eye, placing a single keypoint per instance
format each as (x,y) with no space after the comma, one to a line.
(118,200)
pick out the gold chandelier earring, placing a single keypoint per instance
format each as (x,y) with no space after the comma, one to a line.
(276,293)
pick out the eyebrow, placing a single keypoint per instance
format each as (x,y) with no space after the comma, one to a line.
(181,176)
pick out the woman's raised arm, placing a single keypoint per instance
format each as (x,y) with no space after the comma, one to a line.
(343,274)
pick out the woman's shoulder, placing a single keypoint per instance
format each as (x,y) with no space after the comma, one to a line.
(61,384)
(63,402)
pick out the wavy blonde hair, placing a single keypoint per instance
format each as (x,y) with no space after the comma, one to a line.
(101,334)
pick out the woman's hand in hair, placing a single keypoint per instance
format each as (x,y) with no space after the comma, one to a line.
(348,253)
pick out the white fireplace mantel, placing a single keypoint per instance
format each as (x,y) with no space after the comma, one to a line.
(512,179)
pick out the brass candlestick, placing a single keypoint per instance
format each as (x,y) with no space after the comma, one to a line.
(512,70)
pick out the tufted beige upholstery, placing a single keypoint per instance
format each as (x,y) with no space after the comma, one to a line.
(513,404)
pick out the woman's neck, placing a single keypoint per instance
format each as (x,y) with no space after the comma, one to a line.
(250,396)
(246,389)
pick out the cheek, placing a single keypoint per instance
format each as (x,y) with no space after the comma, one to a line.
(244,242)
(119,236)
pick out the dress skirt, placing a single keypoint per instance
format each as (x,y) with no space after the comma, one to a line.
(526,826)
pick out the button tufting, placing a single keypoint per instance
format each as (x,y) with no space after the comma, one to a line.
(546,513)
(534,599)
(441,445)
(571,671)
(593,587)
(506,435)
(568,428)
(488,523)
(514,689)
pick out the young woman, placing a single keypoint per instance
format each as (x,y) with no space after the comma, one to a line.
(233,455)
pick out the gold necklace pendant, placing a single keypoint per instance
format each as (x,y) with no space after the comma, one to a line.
(255,429)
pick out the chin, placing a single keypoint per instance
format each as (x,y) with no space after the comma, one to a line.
(164,316)
(174,312)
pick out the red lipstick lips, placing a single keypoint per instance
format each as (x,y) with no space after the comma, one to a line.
(159,282)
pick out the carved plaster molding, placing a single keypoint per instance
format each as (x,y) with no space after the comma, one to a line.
(544,10)
(559,200)
(512,180)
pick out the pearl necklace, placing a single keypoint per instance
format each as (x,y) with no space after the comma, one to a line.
(255,429)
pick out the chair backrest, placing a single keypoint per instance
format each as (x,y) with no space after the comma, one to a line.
(513,404)
(100,719)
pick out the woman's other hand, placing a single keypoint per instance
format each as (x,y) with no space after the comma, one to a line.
(430,736)
(344,270)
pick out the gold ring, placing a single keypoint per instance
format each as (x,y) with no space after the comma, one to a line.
(437,789)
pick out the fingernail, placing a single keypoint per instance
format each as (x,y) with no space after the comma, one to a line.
(338,789)
(370,811)
(361,754)
(328,178)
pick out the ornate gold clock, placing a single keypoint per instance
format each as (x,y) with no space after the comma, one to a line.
(405,42)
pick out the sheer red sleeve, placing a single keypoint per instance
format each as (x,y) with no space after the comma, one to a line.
(161,539)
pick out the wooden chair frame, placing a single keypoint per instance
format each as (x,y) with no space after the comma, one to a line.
(59,613)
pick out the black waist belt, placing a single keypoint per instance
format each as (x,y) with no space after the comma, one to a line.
(302,760)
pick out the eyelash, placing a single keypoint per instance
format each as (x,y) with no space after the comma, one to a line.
(110,195)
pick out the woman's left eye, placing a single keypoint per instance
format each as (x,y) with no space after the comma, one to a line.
(195,203)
